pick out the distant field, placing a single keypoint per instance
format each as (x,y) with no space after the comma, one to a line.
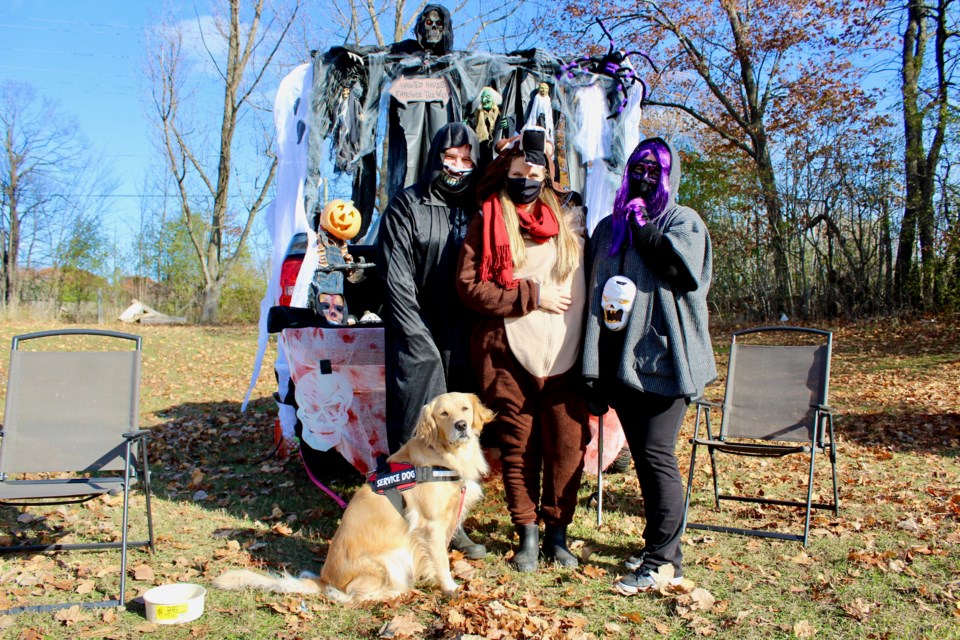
(887,567)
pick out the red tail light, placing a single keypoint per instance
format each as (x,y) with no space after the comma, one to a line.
(288,278)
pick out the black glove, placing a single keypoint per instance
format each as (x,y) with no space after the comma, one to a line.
(596,400)
(646,237)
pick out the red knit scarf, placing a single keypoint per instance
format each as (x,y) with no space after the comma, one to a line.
(496,262)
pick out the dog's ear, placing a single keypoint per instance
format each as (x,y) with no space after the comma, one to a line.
(481,414)
(426,428)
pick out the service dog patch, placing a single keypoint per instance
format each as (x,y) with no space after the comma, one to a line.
(393,475)
(391,478)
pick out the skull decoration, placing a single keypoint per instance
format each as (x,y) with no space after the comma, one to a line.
(617,301)
(324,399)
(340,219)
(432,27)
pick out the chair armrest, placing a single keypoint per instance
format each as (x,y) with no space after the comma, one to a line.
(703,402)
(137,435)
(823,407)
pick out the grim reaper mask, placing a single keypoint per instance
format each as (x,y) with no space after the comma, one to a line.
(434,29)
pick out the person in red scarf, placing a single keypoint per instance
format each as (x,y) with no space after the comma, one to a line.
(521,271)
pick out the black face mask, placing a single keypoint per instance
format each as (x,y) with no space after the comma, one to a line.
(523,190)
(645,176)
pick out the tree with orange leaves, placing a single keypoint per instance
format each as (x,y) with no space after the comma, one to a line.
(752,73)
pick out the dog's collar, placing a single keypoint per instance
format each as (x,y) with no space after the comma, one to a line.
(391,478)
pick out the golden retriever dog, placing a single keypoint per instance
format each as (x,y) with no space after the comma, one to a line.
(379,554)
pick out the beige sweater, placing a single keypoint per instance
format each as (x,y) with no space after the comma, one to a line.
(547,344)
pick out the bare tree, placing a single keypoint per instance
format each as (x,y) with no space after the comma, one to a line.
(926,80)
(364,22)
(42,170)
(250,35)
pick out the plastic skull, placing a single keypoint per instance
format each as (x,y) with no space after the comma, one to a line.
(433,27)
(617,298)
(324,399)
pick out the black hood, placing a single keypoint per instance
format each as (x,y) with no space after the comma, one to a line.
(454,134)
(446,45)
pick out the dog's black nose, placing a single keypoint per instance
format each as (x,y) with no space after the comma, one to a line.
(461,425)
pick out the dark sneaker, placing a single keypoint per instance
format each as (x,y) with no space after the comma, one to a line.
(633,562)
(643,579)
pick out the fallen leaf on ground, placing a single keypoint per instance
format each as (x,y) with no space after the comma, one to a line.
(804,629)
(662,628)
(405,626)
(86,586)
(463,570)
(594,571)
(144,572)
(909,525)
(859,609)
(70,616)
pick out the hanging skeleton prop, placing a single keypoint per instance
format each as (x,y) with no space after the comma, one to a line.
(424,84)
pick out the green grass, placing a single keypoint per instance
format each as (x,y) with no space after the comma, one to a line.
(887,567)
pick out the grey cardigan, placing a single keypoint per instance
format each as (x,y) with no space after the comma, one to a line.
(677,361)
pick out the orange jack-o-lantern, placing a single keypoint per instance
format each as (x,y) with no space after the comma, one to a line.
(340,219)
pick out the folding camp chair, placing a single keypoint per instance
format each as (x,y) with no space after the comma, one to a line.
(74,412)
(775,405)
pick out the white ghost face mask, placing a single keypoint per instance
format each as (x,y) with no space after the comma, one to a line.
(617,301)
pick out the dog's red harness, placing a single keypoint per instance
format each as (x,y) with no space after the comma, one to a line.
(392,478)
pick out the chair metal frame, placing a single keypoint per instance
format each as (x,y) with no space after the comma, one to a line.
(33,492)
(821,439)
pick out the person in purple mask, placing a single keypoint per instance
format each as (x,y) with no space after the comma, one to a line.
(647,350)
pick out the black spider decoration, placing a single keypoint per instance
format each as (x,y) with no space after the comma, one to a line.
(615,64)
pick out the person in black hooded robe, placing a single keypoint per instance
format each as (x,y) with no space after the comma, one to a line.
(427,328)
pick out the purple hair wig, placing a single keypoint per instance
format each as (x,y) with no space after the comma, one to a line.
(627,192)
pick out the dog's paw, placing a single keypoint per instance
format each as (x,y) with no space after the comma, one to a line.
(450,589)
(307,575)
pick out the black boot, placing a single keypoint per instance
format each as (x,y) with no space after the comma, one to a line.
(526,555)
(462,542)
(555,546)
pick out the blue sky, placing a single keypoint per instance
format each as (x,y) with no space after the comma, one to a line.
(87,56)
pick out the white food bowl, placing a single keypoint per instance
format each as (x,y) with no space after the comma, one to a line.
(174,603)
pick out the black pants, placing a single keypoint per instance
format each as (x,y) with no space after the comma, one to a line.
(651,424)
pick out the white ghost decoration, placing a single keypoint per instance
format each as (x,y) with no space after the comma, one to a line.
(619,292)
(324,399)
